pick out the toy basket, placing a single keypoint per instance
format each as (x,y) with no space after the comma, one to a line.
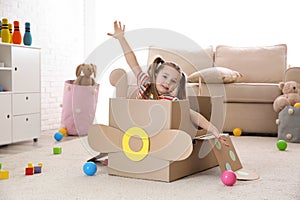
(288,125)
(79,107)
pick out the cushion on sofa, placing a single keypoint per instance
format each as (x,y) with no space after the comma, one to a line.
(292,74)
(265,64)
(215,75)
(189,61)
(243,92)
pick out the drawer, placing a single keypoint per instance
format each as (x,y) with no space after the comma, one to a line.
(5,118)
(26,103)
(26,127)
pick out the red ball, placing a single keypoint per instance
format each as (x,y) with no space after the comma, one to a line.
(228,178)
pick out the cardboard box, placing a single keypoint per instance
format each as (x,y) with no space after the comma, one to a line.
(212,108)
(167,160)
(156,140)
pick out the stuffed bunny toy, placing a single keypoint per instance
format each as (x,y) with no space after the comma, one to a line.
(87,70)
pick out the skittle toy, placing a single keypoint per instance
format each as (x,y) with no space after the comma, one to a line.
(27,40)
(16,37)
(5,35)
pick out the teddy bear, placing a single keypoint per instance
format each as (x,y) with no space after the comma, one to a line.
(290,95)
(84,73)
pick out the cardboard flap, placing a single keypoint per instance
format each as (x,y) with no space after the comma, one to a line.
(226,155)
(105,139)
(178,147)
(246,175)
(206,146)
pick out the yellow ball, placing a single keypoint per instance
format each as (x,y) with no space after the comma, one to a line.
(297,105)
(237,132)
(63,131)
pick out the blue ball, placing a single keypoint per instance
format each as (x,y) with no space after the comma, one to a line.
(58,136)
(90,168)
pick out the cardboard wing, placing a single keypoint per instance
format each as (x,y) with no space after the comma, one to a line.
(105,139)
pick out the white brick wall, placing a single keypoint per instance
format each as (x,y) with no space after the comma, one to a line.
(57,27)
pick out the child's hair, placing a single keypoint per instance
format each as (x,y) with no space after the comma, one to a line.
(153,70)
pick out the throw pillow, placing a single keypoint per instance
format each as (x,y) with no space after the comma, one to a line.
(215,75)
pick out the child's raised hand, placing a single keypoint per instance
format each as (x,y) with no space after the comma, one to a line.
(119,30)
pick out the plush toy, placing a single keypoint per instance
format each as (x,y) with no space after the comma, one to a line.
(290,96)
(84,73)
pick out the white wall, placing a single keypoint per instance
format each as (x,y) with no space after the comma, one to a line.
(213,22)
(68,30)
(207,22)
(57,27)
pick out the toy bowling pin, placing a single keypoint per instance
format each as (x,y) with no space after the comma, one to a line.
(10,32)
(27,40)
(5,32)
(17,38)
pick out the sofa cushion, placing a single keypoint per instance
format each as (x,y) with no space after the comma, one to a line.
(189,60)
(214,75)
(243,92)
(265,64)
(292,74)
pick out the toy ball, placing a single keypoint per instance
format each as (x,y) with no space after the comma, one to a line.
(281,145)
(289,136)
(90,168)
(297,105)
(63,131)
(228,178)
(290,111)
(58,136)
(237,132)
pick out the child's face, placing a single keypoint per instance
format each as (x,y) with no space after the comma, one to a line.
(167,80)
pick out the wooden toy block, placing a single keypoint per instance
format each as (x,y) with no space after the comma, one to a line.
(30,165)
(57,150)
(29,171)
(105,162)
(0,166)
(4,174)
(37,169)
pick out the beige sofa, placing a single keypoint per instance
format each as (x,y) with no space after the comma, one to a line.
(248,99)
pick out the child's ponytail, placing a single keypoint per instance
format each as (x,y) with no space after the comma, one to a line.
(181,93)
(151,91)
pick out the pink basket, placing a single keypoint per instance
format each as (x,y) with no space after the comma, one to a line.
(79,107)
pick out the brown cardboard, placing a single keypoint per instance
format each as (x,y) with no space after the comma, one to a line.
(151,115)
(176,148)
(226,157)
(212,108)
(107,139)
(162,170)
(155,117)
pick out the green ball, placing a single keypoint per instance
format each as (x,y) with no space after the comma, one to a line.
(281,145)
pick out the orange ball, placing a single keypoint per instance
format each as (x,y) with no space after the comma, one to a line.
(297,105)
(63,131)
(237,132)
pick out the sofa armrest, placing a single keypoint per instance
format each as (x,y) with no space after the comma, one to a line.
(292,74)
(119,79)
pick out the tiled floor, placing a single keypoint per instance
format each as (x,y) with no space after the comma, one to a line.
(46,138)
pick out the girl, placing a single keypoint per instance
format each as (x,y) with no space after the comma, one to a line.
(164,80)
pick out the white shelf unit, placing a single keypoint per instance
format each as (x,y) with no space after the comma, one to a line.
(20,102)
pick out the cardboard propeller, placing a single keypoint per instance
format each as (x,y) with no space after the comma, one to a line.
(136,144)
